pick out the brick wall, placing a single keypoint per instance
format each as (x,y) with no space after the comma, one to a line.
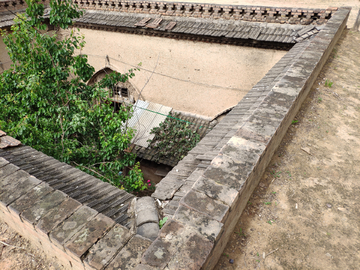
(212,11)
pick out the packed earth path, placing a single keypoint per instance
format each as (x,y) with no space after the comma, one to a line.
(304,214)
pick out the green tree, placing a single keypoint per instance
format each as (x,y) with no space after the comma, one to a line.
(46,103)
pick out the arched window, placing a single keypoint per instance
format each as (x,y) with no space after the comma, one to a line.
(120,93)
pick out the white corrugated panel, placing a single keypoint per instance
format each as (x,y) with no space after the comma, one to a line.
(150,118)
(139,107)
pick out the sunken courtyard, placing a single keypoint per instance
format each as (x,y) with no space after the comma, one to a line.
(243,71)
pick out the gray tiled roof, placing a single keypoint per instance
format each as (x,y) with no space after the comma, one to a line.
(7,17)
(199,27)
(86,189)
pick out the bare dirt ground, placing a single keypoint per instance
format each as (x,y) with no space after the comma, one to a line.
(17,253)
(304,214)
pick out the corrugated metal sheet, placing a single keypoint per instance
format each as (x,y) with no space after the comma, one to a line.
(139,107)
(147,115)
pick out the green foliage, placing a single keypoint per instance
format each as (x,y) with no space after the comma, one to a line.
(267,203)
(135,181)
(173,138)
(162,222)
(276,174)
(46,103)
(328,83)
(240,232)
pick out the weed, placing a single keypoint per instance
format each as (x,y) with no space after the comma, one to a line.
(274,192)
(162,222)
(319,100)
(270,221)
(328,83)
(240,232)
(249,203)
(276,174)
(293,122)
(173,138)
(257,254)
(225,254)
(257,261)
(267,203)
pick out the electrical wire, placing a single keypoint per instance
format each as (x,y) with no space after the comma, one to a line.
(171,77)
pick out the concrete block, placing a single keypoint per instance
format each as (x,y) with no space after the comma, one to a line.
(29,199)
(225,171)
(57,215)
(131,254)
(178,247)
(88,235)
(251,136)
(16,189)
(148,230)
(106,248)
(264,127)
(33,214)
(209,228)
(166,188)
(61,234)
(215,190)
(3,162)
(7,170)
(241,150)
(205,205)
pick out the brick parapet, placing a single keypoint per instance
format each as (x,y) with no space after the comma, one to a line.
(75,234)
(234,32)
(212,11)
(14,5)
(214,203)
(70,231)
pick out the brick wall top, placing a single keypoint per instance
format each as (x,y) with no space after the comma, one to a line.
(84,188)
(208,203)
(200,29)
(14,5)
(68,211)
(212,11)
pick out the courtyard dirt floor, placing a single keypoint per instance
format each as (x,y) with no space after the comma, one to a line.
(305,212)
